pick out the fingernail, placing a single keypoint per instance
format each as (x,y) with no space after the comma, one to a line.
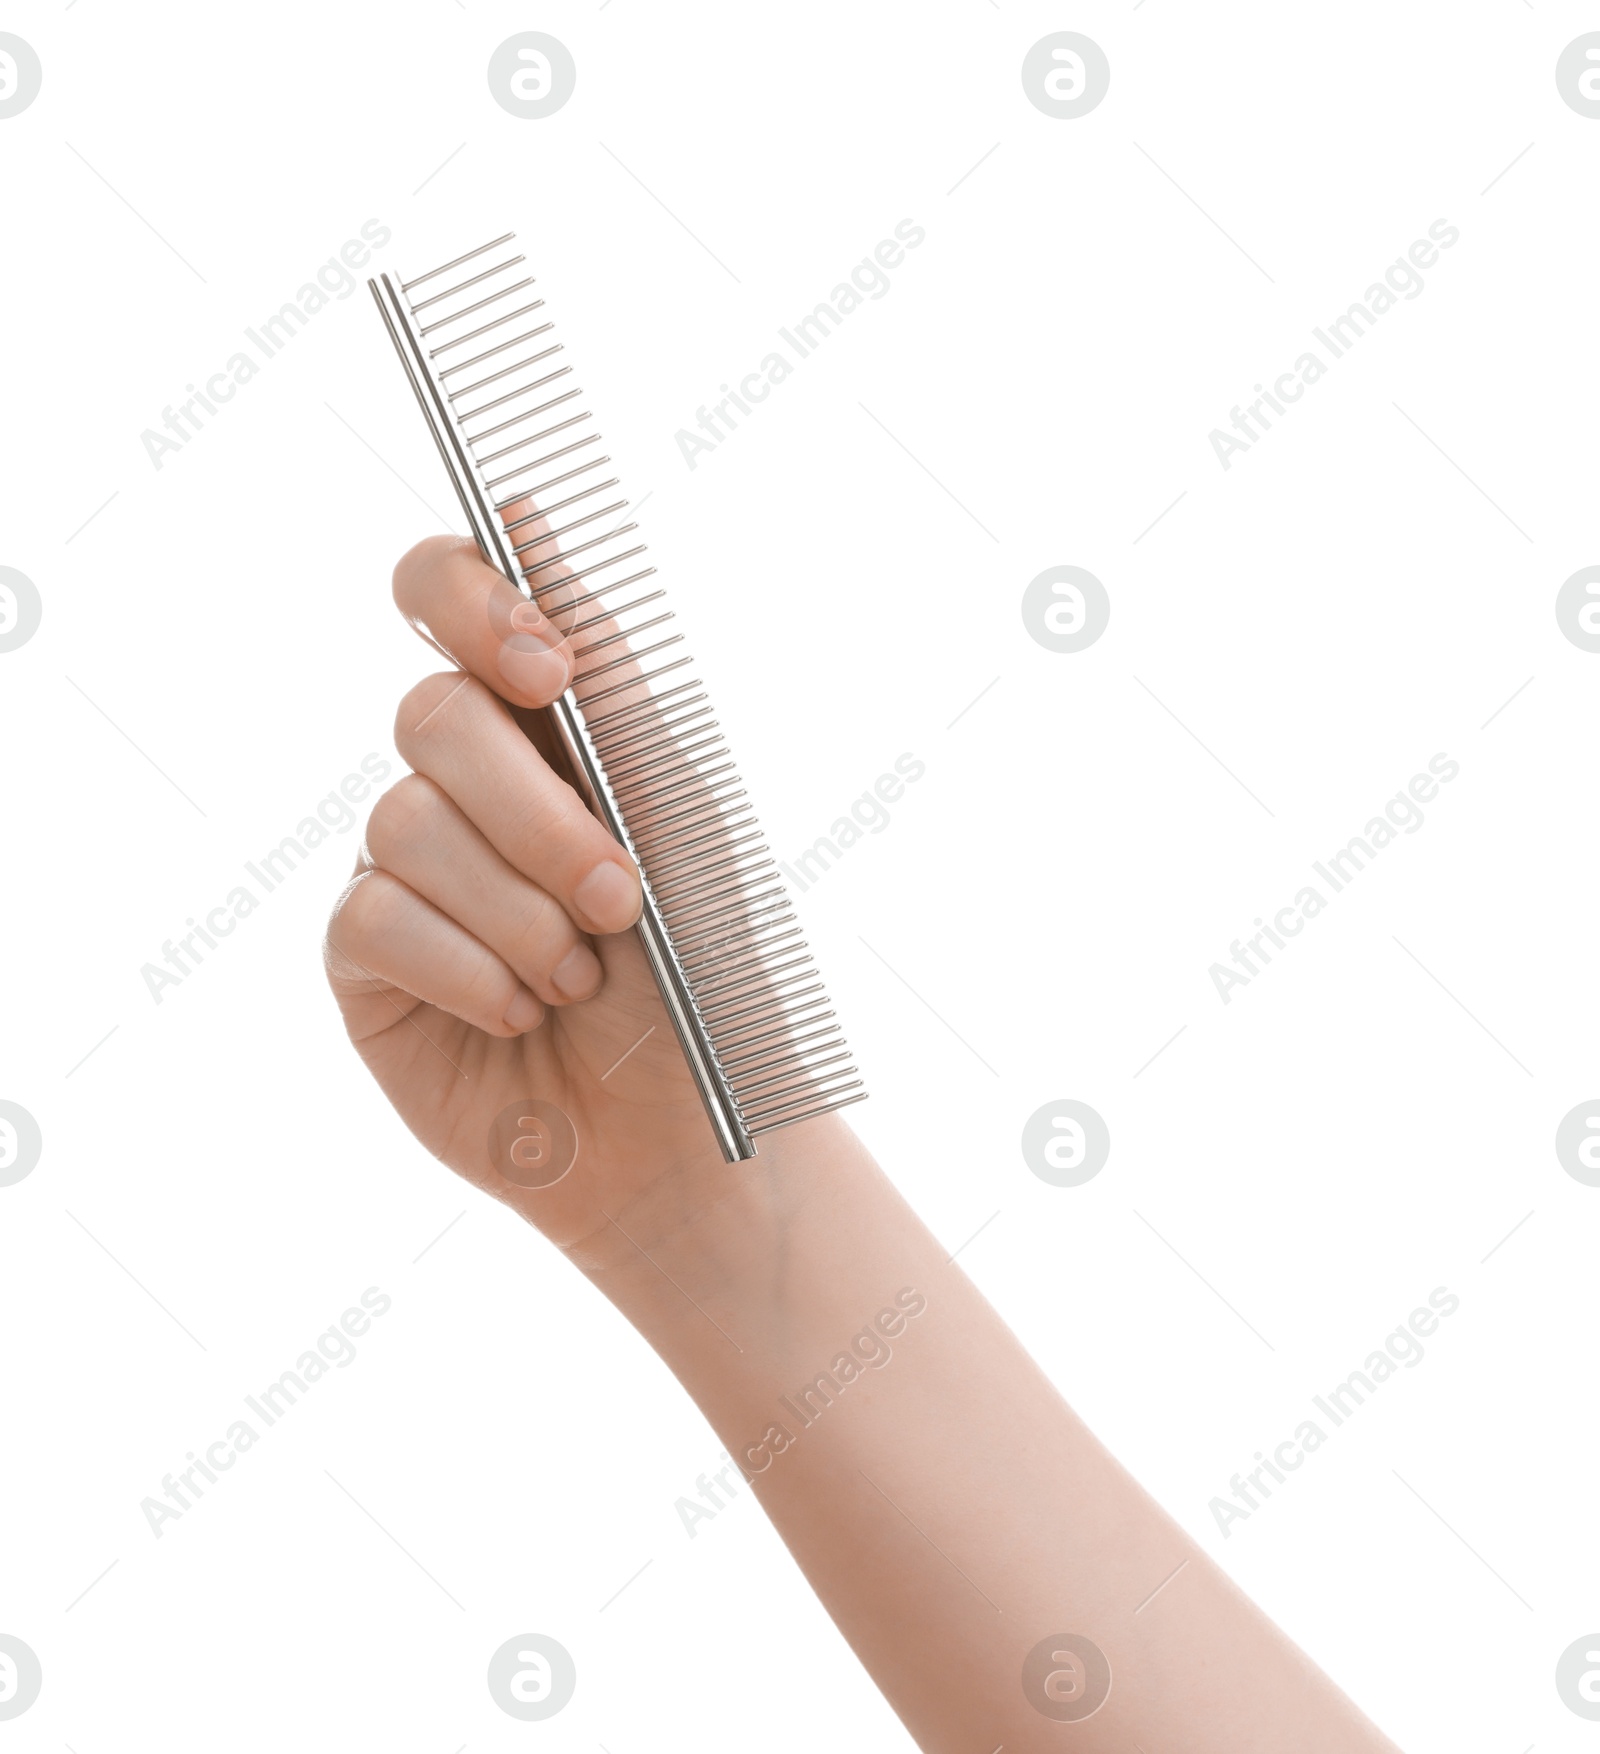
(533,664)
(577,974)
(609,897)
(523,1012)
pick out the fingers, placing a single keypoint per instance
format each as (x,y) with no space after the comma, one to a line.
(499,842)
(458,602)
(419,836)
(454,731)
(386,933)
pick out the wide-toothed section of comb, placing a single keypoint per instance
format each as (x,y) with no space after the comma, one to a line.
(494,354)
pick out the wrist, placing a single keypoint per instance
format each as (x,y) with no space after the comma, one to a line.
(713,1224)
(725,1269)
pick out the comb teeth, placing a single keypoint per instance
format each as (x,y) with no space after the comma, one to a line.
(740,984)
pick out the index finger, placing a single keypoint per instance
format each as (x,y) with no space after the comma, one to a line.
(468,609)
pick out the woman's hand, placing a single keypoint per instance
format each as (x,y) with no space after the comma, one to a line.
(481,956)
(952,1513)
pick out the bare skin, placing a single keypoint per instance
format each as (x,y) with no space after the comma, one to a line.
(950,1510)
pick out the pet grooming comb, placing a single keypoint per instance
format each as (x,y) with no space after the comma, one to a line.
(737,980)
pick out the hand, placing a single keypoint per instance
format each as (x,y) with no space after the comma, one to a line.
(457,955)
(481,955)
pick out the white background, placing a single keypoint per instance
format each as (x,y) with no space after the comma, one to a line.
(1361,1124)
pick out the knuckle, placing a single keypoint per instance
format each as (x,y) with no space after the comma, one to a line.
(404,814)
(429,708)
(541,935)
(487,991)
(357,920)
(554,812)
(423,573)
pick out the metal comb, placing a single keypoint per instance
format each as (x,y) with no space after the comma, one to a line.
(736,977)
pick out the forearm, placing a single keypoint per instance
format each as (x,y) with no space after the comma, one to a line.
(950,1510)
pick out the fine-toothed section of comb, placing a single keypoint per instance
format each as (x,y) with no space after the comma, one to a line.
(499,370)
